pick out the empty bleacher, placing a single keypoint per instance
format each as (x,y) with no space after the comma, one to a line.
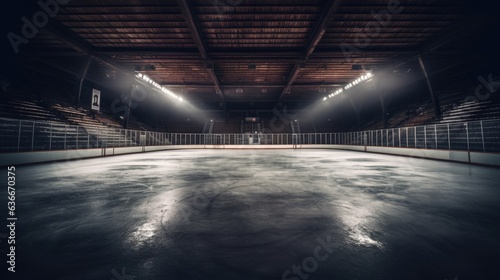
(20,103)
(27,110)
(471,111)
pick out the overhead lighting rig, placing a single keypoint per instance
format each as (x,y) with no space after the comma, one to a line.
(159,87)
(359,80)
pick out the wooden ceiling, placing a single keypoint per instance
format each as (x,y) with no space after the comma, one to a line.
(266,51)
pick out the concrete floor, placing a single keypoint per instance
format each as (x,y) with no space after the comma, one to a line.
(239,214)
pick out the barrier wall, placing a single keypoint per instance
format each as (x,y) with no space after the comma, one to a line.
(492,159)
(47,156)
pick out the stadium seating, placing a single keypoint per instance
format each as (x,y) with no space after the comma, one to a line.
(472,110)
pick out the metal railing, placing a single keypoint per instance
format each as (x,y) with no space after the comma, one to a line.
(24,135)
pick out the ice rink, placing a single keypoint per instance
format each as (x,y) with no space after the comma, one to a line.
(257,214)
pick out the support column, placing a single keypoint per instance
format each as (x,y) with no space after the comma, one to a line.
(382,104)
(434,99)
(82,78)
(128,108)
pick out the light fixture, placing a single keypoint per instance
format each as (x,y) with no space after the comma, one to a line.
(159,87)
(350,85)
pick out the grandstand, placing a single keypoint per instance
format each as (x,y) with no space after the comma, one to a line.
(250,139)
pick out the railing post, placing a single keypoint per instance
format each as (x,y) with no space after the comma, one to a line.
(393,137)
(88,140)
(407,137)
(415,134)
(425,137)
(387,137)
(65,129)
(399,132)
(32,136)
(77,129)
(482,136)
(19,136)
(436,135)
(50,138)
(467,133)
(449,140)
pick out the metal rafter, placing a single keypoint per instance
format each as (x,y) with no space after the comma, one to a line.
(186,9)
(319,31)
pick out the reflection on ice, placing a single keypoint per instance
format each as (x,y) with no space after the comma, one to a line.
(143,234)
(360,223)
(154,213)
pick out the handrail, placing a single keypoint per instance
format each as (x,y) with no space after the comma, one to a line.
(26,135)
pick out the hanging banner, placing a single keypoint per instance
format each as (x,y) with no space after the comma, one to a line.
(96,99)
